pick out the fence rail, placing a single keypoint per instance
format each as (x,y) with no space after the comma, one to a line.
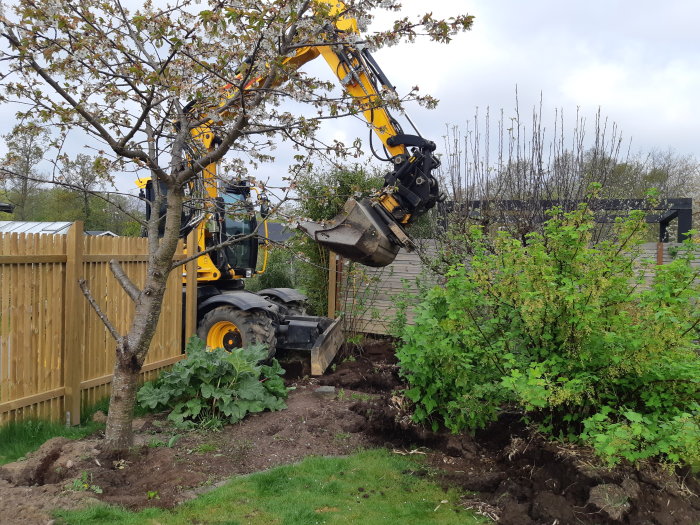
(56,356)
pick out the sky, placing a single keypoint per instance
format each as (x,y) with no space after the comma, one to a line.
(637,61)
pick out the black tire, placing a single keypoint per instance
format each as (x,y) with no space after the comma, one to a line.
(228,327)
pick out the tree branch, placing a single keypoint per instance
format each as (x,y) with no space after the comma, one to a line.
(124,281)
(86,115)
(103,317)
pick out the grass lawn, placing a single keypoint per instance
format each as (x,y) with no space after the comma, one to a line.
(370,487)
(20,438)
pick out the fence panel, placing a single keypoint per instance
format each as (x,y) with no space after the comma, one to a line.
(98,364)
(369,297)
(41,360)
(31,328)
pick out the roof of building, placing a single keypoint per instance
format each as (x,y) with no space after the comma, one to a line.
(101,233)
(34,227)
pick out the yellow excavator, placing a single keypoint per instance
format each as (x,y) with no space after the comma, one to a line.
(369,231)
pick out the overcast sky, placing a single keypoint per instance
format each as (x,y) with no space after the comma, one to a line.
(639,61)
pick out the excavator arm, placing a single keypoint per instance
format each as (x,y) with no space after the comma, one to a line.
(369,231)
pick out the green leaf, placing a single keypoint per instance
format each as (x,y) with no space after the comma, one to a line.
(209,391)
(633,416)
(216,384)
(193,407)
(151,397)
(250,388)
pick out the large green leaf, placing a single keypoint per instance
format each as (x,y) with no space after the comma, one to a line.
(217,383)
(151,397)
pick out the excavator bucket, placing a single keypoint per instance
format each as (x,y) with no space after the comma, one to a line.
(362,232)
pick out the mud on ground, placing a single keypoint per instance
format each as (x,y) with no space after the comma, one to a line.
(514,476)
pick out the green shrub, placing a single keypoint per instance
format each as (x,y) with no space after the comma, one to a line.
(210,388)
(570,333)
(322,196)
(279,272)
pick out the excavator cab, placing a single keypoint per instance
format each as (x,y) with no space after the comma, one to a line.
(237,223)
(230,222)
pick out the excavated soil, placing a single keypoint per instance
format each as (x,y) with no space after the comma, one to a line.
(512,475)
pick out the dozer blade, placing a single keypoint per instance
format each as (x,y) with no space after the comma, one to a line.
(361,233)
(326,347)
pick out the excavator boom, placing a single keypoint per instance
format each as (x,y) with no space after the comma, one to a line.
(222,213)
(369,231)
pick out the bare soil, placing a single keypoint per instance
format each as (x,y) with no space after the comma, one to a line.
(514,475)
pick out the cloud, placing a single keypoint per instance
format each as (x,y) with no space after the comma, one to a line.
(637,62)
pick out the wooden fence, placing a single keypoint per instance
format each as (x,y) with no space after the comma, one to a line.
(369,297)
(56,356)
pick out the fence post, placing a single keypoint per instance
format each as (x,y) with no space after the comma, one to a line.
(191,287)
(659,253)
(339,281)
(72,323)
(332,284)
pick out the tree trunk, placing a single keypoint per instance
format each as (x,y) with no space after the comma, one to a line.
(21,209)
(131,350)
(119,435)
(130,354)
(86,207)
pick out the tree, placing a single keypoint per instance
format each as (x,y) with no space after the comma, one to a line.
(80,178)
(673,174)
(533,165)
(320,197)
(107,211)
(529,163)
(84,174)
(26,144)
(123,78)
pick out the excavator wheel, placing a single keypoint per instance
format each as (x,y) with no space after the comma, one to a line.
(228,328)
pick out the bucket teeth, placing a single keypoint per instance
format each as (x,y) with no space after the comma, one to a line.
(359,233)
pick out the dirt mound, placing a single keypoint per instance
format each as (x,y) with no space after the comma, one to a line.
(171,466)
(372,370)
(517,477)
(28,492)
